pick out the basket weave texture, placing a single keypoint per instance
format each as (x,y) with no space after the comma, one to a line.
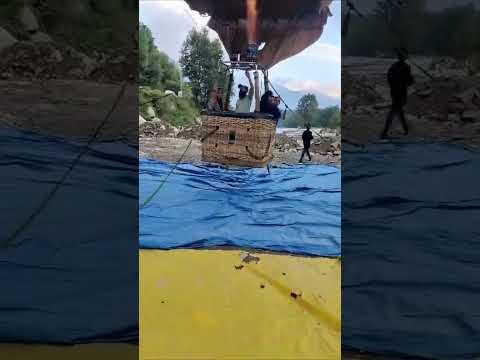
(240,141)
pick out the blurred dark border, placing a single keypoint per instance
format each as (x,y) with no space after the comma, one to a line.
(409,202)
(69,156)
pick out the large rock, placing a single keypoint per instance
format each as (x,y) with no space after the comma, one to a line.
(151,112)
(6,40)
(40,37)
(141,120)
(191,132)
(86,64)
(89,65)
(159,123)
(57,56)
(322,148)
(336,145)
(28,20)
(175,131)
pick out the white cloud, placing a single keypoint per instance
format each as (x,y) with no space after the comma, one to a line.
(170,22)
(181,8)
(313,86)
(323,52)
(178,9)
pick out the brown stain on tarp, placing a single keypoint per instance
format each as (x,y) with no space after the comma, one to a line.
(327,318)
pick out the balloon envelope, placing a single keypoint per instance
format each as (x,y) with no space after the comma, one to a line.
(287,27)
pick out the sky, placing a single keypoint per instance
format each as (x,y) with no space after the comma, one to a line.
(317,69)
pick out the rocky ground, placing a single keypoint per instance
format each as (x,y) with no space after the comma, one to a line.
(443,109)
(52,87)
(73,108)
(33,60)
(160,141)
(27,52)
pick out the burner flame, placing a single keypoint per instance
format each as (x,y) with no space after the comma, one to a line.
(252,21)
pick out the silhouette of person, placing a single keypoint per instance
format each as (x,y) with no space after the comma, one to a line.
(399,78)
(307,138)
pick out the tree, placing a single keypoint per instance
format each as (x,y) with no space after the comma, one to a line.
(201,62)
(156,70)
(145,44)
(334,118)
(410,24)
(306,112)
(307,106)
(157,73)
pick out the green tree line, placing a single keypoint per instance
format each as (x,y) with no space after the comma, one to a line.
(201,65)
(156,70)
(452,31)
(159,76)
(307,112)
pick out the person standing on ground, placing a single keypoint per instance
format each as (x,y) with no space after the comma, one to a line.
(307,138)
(399,78)
(245,96)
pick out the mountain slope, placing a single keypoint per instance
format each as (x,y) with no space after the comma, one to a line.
(292,97)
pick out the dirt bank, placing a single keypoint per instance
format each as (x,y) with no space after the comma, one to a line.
(72,108)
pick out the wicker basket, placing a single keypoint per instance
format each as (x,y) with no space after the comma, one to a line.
(238,139)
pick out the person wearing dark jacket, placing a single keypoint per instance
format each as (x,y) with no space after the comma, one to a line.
(307,138)
(399,78)
(268,105)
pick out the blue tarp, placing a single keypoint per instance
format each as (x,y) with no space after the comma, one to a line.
(295,209)
(411,250)
(72,276)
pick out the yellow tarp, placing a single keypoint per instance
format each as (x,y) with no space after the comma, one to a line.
(194,304)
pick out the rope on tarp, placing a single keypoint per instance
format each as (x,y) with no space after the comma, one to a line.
(157,190)
(69,170)
(150,198)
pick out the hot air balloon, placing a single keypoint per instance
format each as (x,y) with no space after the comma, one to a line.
(257,34)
